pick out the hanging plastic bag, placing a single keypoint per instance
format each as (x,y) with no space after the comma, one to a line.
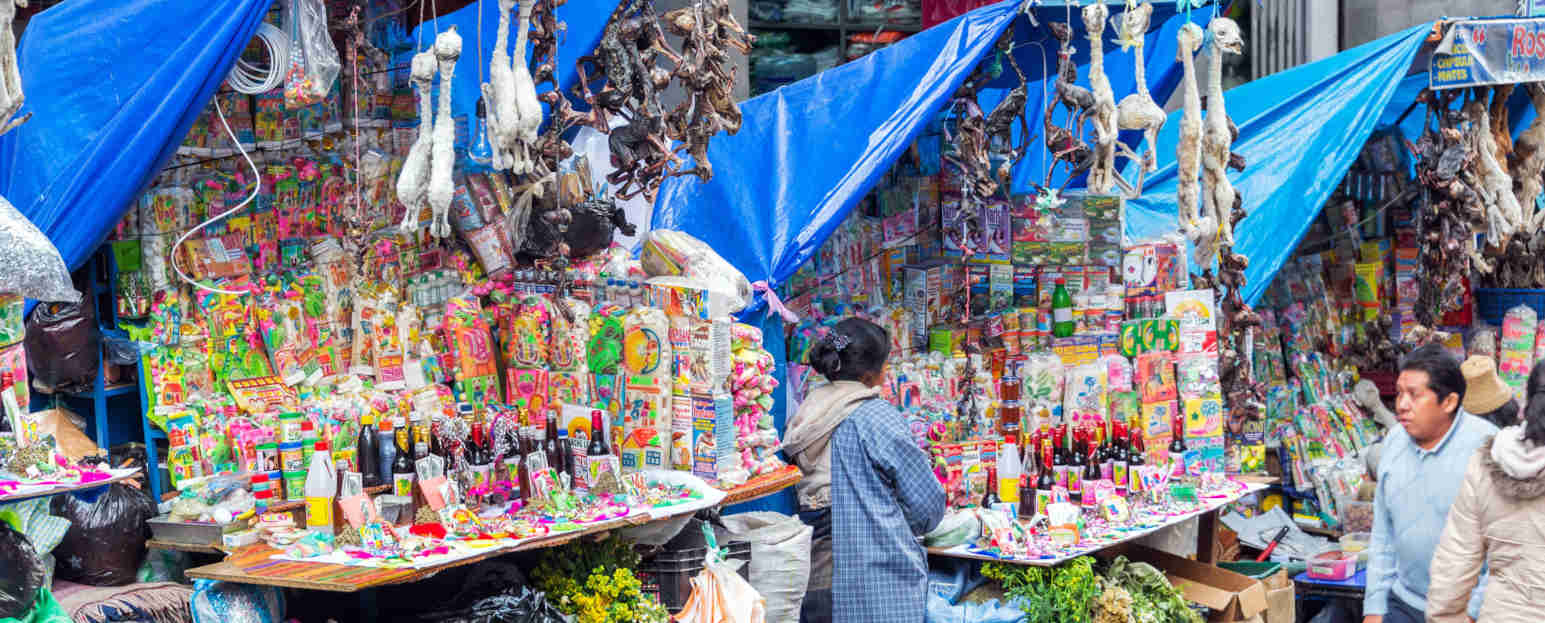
(780,559)
(719,594)
(33,266)
(24,573)
(214,602)
(314,63)
(106,539)
(673,253)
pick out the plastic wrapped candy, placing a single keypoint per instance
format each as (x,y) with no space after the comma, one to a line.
(33,267)
(667,252)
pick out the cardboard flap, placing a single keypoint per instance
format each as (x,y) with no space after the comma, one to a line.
(1229,594)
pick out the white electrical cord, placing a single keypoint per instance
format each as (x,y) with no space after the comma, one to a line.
(251,79)
(256,186)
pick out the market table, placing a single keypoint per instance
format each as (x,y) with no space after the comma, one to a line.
(27,493)
(257,565)
(1208,515)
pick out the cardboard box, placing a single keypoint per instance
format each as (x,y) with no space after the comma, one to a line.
(1280,606)
(1230,596)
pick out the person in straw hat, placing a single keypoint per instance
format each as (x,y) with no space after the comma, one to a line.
(1486,396)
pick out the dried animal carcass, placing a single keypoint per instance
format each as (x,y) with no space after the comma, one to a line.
(967,143)
(1504,215)
(1000,125)
(413,180)
(1451,209)
(514,113)
(1066,142)
(1200,229)
(1138,111)
(707,29)
(11,96)
(441,189)
(1219,132)
(1102,177)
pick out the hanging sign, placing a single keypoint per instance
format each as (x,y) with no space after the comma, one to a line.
(1478,53)
(1531,8)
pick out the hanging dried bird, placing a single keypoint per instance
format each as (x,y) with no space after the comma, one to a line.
(1102,177)
(441,189)
(1138,111)
(413,180)
(1201,230)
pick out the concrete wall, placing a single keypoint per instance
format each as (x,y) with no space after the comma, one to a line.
(1365,20)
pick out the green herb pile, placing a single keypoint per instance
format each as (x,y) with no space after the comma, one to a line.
(1127,592)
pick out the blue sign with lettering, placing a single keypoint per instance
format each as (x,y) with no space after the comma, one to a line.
(1483,52)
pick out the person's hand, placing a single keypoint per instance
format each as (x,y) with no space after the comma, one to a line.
(1374,618)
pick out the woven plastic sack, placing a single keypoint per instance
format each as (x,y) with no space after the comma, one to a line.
(220,602)
(23,572)
(780,559)
(33,266)
(106,540)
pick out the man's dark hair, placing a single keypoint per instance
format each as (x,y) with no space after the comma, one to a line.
(1442,368)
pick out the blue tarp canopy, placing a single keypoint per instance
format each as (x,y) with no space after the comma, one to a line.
(809,151)
(1299,131)
(115,87)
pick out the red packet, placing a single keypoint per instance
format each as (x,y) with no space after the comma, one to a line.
(1156,376)
(527,387)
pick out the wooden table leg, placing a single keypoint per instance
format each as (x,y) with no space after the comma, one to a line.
(1206,531)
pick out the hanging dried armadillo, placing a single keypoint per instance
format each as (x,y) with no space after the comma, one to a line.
(413,180)
(442,164)
(1103,176)
(1200,230)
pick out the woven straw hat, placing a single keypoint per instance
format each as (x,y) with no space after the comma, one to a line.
(1484,390)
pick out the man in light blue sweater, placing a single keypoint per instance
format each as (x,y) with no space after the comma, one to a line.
(1419,475)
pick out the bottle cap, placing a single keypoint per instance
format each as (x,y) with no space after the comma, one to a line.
(386,425)
(321,446)
(1060,281)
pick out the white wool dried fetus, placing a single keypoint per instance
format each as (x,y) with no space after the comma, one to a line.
(1503,214)
(413,180)
(499,95)
(1102,175)
(1138,111)
(11,96)
(1188,150)
(530,120)
(1218,134)
(441,190)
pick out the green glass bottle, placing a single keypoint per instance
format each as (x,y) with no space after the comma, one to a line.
(1061,310)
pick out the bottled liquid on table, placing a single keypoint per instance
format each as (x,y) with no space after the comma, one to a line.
(1062,324)
(1120,458)
(366,452)
(1135,462)
(386,450)
(321,488)
(550,442)
(1008,473)
(990,499)
(1091,478)
(1177,446)
(1076,467)
(402,466)
(1047,479)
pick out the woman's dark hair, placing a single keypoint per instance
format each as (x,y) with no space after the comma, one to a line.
(850,351)
(1534,414)
(1503,416)
(1443,375)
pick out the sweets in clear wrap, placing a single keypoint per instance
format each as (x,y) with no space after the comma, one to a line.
(1196,375)
(570,334)
(1156,376)
(667,252)
(1042,378)
(604,349)
(1515,355)
(1118,372)
(1084,399)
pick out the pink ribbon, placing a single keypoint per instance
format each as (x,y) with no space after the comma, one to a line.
(774,303)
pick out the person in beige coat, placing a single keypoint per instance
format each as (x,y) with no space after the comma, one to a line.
(1498,520)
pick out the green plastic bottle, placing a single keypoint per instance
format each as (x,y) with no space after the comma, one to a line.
(1061,310)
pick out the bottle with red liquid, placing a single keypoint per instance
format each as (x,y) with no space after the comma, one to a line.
(1177,446)
(1091,476)
(1135,462)
(1047,479)
(1076,466)
(1107,456)
(1119,457)
(1060,459)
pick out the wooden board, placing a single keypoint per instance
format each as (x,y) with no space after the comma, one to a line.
(183,547)
(1211,509)
(118,476)
(763,486)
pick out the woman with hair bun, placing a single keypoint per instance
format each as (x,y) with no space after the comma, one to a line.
(1498,520)
(868,490)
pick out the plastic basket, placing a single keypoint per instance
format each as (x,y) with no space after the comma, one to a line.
(1251,569)
(1492,303)
(668,575)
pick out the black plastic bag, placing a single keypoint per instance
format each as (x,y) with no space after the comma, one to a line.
(525,606)
(62,345)
(21,573)
(106,540)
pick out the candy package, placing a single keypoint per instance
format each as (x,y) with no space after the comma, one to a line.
(667,252)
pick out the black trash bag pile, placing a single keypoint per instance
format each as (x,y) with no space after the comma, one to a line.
(510,606)
(21,573)
(106,540)
(62,341)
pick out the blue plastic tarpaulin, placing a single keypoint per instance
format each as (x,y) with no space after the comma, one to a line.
(114,86)
(809,151)
(584,21)
(1299,131)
